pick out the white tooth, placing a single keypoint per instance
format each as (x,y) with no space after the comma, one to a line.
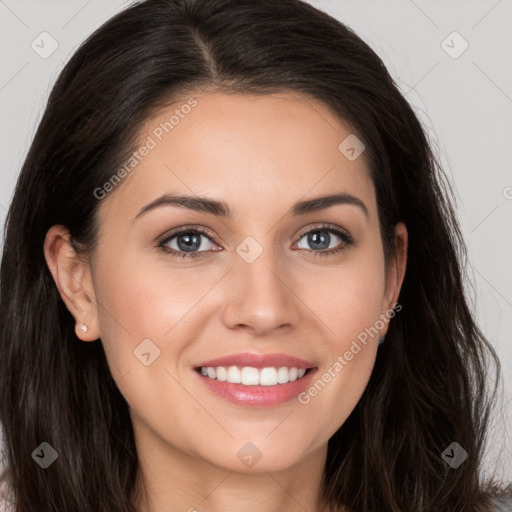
(221,373)
(250,376)
(268,377)
(234,375)
(283,375)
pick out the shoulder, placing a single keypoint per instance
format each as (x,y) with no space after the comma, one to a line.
(504,503)
(7,503)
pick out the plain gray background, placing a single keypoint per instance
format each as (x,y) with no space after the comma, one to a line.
(464,98)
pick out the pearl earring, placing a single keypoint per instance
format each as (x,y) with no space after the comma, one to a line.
(381,339)
(84,327)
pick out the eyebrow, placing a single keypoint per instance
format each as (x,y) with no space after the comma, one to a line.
(222,209)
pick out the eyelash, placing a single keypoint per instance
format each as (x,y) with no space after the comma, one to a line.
(347,241)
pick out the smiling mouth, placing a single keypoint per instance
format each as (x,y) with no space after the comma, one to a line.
(251,376)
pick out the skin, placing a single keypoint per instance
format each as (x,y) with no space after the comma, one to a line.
(260,155)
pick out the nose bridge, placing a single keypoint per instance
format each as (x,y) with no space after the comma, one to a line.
(258,266)
(260,297)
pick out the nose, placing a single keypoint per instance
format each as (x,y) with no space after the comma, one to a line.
(261,296)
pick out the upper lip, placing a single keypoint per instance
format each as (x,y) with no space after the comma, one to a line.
(257,361)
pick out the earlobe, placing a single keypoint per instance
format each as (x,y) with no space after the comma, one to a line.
(73,280)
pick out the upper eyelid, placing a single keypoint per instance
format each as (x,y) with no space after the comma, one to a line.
(185,229)
(324,226)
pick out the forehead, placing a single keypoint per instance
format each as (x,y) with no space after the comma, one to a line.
(258,153)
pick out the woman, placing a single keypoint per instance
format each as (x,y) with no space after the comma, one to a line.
(173,336)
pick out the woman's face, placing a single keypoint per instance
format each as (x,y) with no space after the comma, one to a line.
(255,282)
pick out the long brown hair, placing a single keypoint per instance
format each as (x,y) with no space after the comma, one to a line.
(429,386)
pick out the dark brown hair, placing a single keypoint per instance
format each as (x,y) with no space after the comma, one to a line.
(429,386)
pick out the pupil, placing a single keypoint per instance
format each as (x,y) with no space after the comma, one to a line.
(192,241)
(319,237)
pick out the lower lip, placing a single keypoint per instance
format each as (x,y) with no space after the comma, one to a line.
(258,396)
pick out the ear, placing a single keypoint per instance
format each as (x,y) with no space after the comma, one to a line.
(396,270)
(73,279)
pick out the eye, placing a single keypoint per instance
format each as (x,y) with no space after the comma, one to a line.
(187,243)
(320,239)
(192,242)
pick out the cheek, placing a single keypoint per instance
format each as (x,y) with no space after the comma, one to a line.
(140,300)
(347,298)
(348,303)
(146,298)
(347,363)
